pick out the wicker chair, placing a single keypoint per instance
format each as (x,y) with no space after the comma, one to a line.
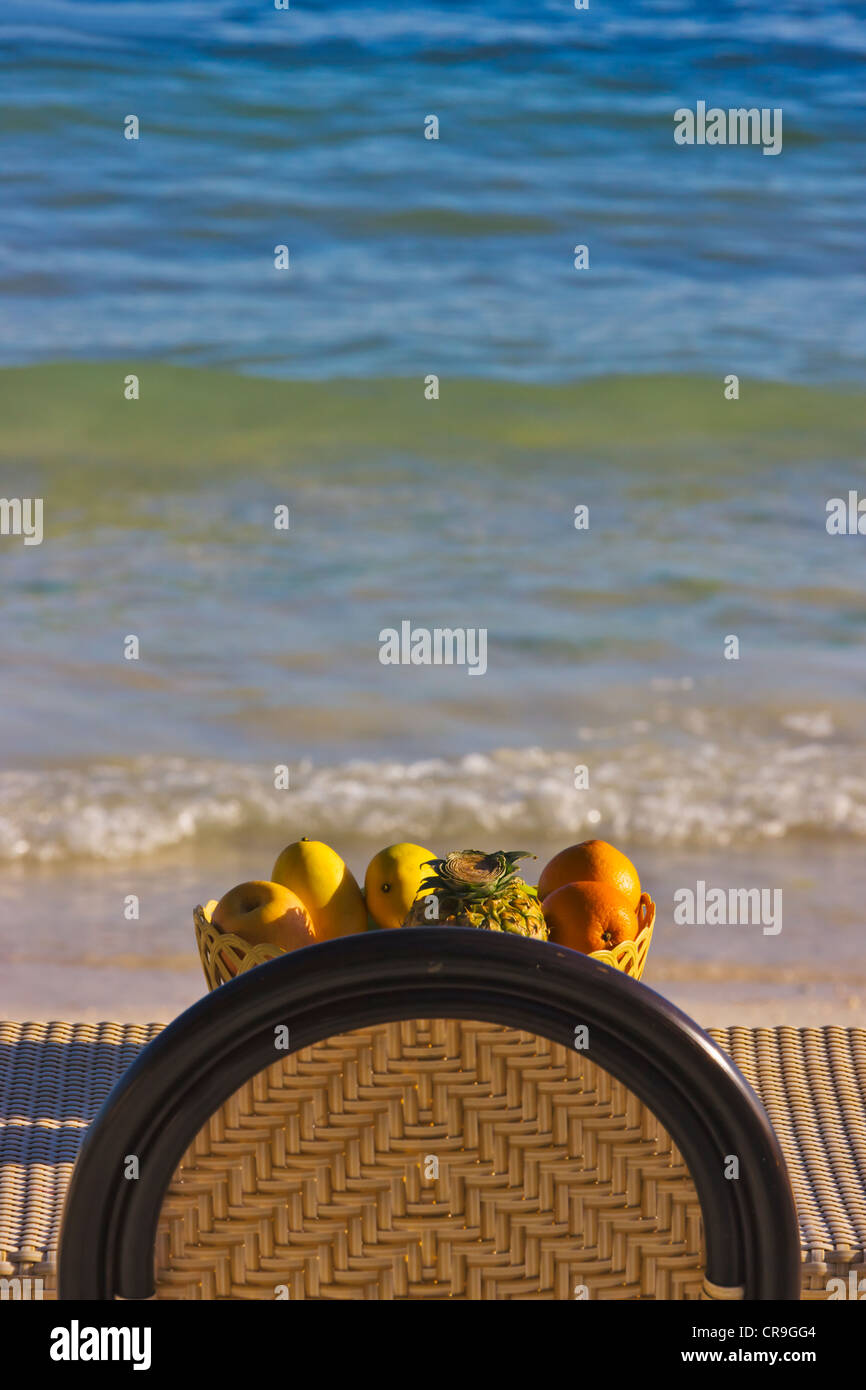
(434,1113)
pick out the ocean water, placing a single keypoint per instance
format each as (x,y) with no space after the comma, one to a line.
(305,128)
(557,389)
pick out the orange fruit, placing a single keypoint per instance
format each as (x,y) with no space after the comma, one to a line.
(589,917)
(594,861)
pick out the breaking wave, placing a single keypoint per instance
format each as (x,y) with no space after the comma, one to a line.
(700,795)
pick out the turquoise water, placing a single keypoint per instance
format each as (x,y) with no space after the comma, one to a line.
(259,646)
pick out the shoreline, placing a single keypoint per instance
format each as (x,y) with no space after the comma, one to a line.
(93,939)
(74,956)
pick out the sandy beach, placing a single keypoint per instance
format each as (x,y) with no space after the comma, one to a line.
(75,956)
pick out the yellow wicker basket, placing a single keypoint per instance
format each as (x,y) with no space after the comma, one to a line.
(630,956)
(224,955)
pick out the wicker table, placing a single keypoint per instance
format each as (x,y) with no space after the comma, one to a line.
(55,1076)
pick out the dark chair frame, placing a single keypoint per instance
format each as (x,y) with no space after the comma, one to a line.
(199,1061)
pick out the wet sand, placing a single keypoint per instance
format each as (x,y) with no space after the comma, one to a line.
(75,956)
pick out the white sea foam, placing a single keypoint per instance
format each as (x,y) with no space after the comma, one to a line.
(698,793)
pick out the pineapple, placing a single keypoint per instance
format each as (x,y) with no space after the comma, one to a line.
(479,890)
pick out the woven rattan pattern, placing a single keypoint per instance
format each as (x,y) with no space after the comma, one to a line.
(54,1076)
(53,1079)
(317,1180)
(812,1082)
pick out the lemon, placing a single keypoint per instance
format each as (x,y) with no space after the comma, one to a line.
(316,874)
(392,882)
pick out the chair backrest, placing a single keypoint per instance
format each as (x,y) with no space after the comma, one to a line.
(184,1076)
(431,1159)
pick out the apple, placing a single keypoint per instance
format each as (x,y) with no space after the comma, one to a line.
(265,912)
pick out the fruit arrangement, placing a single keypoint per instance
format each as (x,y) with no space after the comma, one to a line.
(471,889)
(588,899)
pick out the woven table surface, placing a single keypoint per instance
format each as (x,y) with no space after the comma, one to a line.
(812,1082)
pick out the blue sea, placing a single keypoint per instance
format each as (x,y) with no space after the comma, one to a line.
(305,388)
(305,127)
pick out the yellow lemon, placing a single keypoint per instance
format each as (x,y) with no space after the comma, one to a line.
(316,874)
(392,881)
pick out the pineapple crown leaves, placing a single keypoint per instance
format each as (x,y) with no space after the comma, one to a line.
(473,876)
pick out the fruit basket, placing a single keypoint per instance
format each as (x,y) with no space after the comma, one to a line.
(225,955)
(630,956)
